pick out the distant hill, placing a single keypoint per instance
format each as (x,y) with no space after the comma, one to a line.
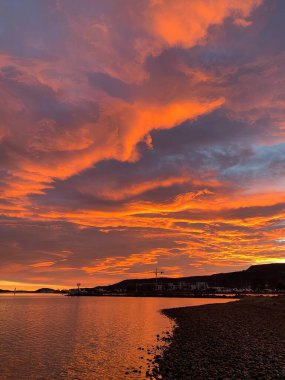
(41,290)
(46,290)
(256,276)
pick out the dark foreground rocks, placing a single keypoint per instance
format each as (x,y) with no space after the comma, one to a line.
(237,340)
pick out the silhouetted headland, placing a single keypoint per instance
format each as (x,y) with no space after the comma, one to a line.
(267,278)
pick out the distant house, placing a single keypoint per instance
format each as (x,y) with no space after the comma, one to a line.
(199,286)
(182,285)
(100,290)
(172,286)
(221,289)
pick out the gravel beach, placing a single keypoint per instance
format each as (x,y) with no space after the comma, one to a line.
(237,340)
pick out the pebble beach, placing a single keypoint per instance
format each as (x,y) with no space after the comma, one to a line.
(238,340)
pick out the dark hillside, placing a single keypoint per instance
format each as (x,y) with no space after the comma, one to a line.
(256,276)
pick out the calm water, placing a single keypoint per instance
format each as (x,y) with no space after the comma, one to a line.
(57,337)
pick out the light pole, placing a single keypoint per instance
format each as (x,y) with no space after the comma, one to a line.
(156,276)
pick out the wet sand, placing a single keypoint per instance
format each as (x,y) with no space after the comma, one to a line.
(237,340)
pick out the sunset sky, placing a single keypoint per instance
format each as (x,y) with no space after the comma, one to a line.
(136,134)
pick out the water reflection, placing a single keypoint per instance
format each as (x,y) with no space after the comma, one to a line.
(57,337)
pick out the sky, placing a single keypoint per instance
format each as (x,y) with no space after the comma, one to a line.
(137,134)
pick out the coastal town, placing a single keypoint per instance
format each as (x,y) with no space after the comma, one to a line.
(259,279)
(170,289)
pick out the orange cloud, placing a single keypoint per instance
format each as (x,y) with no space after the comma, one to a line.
(114,136)
(121,265)
(43,264)
(185,23)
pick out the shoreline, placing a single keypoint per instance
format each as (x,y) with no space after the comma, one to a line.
(244,339)
(231,296)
